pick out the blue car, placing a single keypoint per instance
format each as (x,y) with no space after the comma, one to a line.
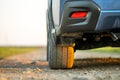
(80,25)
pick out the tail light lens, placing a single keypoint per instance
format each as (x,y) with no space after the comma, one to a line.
(79,14)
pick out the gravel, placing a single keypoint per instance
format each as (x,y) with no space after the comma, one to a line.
(87,66)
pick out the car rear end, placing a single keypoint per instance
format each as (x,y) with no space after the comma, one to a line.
(80,25)
(101,15)
(90,20)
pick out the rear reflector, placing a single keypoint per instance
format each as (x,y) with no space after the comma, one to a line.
(80,14)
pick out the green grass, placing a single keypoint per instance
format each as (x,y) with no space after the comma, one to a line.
(10,51)
(107,49)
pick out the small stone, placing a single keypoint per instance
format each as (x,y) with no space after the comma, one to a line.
(117,69)
(107,78)
(85,73)
(37,70)
(80,78)
(33,63)
(98,78)
(26,72)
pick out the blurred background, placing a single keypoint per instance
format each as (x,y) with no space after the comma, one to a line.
(23,22)
(23,27)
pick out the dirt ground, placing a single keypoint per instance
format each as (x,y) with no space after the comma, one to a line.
(87,66)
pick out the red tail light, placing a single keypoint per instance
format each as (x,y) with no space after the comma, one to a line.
(79,14)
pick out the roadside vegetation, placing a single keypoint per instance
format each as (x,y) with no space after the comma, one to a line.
(107,49)
(10,51)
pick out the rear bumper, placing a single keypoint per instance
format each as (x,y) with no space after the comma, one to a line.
(108,20)
(96,19)
(69,25)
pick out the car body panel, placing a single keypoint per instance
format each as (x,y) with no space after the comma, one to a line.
(56,11)
(108,4)
(109,19)
(109,16)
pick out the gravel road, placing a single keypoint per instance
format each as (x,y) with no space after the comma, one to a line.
(87,66)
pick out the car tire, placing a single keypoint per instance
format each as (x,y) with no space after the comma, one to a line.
(63,58)
(59,55)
